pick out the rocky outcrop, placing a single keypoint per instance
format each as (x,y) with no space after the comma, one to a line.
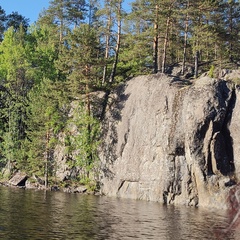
(172,141)
(64,169)
(18,179)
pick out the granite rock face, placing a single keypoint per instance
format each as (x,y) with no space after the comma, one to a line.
(172,141)
(18,179)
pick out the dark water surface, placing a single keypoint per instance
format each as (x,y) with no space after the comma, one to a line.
(28,214)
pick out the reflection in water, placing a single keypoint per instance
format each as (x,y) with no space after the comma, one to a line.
(26,214)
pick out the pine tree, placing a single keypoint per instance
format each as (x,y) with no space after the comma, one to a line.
(47,116)
(80,60)
(228,28)
(137,36)
(57,11)
(3,19)
(106,18)
(119,15)
(111,17)
(16,20)
(157,17)
(81,63)
(76,11)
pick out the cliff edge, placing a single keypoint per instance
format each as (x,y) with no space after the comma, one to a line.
(172,141)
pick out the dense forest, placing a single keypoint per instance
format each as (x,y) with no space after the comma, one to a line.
(80,47)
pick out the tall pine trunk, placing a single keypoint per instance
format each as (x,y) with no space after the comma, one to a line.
(230,32)
(185,41)
(156,50)
(165,45)
(117,49)
(107,47)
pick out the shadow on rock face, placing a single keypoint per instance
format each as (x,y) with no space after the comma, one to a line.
(170,143)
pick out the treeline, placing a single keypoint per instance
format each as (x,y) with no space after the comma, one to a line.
(78,47)
(172,31)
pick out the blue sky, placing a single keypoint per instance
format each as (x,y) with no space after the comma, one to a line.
(28,8)
(31,8)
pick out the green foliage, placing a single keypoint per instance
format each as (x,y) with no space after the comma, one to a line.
(80,60)
(47,115)
(16,21)
(211,71)
(85,141)
(44,53)
(2,22)
(75,49)
(90,184)
(16,81)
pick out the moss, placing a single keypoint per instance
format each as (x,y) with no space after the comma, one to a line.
(211,71)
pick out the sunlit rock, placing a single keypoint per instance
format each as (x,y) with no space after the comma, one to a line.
(18,179)
(172,141)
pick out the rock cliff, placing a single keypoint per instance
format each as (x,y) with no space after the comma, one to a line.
(172,141)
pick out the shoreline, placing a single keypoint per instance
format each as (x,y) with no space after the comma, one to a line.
(76,189)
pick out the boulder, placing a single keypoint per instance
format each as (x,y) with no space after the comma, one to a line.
(18,179)
(75,189)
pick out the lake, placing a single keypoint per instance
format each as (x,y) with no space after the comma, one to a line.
(30,214)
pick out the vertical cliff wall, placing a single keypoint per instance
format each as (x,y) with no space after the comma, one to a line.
(173,142)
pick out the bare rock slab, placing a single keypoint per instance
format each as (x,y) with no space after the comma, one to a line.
(19,179)
(172,142)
